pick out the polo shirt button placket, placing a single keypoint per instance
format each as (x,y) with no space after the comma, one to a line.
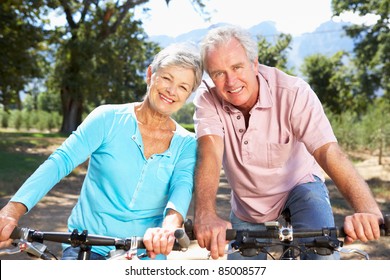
(241,130)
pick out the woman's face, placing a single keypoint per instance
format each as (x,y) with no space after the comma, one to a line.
(169,88)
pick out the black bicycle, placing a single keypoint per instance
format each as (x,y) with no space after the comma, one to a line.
(280,235)
(324,241)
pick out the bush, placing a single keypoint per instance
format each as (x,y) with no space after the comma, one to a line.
(189,127)
(4,116)
(40,120)
(17,119)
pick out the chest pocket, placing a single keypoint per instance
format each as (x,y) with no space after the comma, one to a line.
(278,154)
(271,155)
(165,171)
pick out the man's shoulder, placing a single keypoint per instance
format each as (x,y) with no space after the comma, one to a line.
(206,90)
(280,79)
(207,84)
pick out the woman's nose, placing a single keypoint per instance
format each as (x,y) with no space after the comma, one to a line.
(171,90)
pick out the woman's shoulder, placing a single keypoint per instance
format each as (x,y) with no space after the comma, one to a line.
(116,108)
(109,111)
(185,137)
(183,132)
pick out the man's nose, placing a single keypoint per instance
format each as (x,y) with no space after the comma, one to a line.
(231,79)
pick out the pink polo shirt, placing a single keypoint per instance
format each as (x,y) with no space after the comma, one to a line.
(266,160)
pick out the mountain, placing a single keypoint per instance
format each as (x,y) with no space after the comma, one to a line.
(327,39)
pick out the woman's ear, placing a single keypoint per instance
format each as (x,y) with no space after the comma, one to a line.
(148,75)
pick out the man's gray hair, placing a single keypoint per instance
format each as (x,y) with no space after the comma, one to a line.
(222,35)
(184,55)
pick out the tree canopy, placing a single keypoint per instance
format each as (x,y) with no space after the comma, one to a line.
(22,45)
(372,49)
(101,53)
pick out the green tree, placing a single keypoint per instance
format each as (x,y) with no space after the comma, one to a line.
(372,47)
(274,55)
(376,127)
(332,81)
(185,114)
(349,139)
(48,102)
(21,44)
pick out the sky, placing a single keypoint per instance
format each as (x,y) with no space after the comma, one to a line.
(294,17)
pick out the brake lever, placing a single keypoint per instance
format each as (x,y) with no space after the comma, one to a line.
(353,250)
(10,251)
(34,248)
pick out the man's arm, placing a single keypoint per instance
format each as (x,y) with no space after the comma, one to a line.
(364,224)
(210,230)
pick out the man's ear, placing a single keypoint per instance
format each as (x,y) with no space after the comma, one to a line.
(255,65)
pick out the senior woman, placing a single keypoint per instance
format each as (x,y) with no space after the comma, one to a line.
(141,164)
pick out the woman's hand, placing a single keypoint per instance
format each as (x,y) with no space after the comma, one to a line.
(159,241)
(9,217)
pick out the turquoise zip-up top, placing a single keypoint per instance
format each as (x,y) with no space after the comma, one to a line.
(123,193)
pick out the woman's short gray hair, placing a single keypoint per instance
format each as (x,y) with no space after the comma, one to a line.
(183,55)
(222,35)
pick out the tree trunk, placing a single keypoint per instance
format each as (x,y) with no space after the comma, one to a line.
(381,146)
(72,110)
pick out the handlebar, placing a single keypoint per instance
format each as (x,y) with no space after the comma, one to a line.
(324,238)
(322,241)
(32,242)
(273,231)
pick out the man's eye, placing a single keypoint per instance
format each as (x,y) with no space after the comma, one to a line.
(218,75)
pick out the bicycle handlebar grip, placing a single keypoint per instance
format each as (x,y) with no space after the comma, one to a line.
(182,238)
(386,225)
(17,233)
(384,228)
(231,234)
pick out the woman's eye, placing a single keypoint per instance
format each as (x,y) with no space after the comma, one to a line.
(184,88)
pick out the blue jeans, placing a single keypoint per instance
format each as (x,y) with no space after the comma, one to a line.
(72,253)
(309,207)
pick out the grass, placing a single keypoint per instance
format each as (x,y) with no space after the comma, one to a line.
(21,153)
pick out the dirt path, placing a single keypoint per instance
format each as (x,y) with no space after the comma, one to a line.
(52,212)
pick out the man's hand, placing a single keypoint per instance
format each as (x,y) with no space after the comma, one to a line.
(362,226)
(210,231)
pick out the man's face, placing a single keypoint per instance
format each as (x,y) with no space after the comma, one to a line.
(234,76)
